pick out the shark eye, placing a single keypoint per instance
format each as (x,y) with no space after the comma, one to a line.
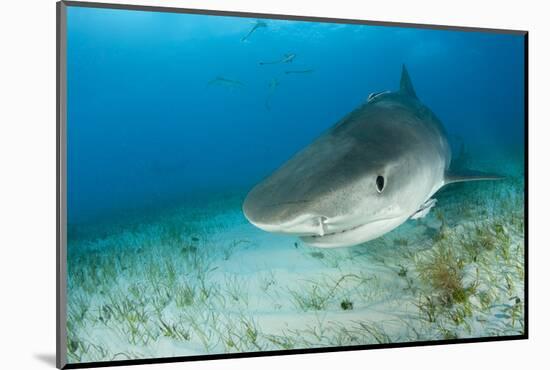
(380,183)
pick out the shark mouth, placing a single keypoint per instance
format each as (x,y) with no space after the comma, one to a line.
(353,235)
(323,234)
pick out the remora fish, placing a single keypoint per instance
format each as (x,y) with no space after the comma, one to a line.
(273,84)
(373,170)
(258,24)
(287,58)
(222,81)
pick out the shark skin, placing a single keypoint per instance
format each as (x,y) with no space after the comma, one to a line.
(369,173)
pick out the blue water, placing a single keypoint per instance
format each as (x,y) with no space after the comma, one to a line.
(148,127)
(172,119)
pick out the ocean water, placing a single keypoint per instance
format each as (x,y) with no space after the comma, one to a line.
(173,118)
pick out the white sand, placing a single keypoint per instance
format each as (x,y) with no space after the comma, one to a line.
(250,290)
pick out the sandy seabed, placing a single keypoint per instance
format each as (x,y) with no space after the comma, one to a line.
(202,280)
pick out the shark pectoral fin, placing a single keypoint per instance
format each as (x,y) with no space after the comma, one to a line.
(424,209)
(451,177)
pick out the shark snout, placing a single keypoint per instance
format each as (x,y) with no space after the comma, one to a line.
(305,224)
(284,218)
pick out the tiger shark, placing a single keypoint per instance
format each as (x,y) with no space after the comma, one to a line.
(373,170)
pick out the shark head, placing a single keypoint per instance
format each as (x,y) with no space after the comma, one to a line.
(362,178)
(329,201)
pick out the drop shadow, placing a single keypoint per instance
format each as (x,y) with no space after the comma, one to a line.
(47,358)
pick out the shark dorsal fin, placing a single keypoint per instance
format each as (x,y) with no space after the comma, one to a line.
(406,86)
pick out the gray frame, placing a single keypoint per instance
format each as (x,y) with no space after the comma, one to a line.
(61,189)
(61,186)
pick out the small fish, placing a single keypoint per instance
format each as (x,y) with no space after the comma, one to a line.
(298,71)
(273,84)
(222,81)
(287,58)
(258,24)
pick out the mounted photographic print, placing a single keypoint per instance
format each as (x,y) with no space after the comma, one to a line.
(234,184)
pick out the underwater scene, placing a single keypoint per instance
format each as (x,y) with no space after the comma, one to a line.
(238,184)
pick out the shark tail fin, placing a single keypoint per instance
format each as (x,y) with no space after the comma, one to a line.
(406,85)
(468,175)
